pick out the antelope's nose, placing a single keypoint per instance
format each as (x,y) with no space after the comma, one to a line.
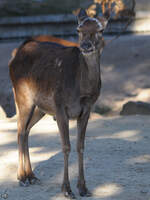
(86,46)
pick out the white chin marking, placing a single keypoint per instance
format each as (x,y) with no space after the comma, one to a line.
(92,52)
(88,53)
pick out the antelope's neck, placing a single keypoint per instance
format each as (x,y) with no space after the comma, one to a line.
(90,80)
(93,64)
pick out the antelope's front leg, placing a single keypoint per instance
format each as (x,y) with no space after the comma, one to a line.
(81,125)
(63,125)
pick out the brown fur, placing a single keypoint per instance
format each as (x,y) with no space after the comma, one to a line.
(49,38)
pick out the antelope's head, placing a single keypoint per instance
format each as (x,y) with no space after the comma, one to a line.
(90,32)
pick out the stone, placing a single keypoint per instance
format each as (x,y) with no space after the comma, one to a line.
(7,105)
(136,108)
(101,109)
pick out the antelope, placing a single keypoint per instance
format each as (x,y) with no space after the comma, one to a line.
(65,82)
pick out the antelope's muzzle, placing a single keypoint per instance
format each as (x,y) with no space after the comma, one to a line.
(86,47)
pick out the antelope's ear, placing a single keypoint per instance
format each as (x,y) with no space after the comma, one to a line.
(104,20)
(82,15)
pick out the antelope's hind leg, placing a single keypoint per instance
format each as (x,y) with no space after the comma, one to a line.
(27,117)
(37,115)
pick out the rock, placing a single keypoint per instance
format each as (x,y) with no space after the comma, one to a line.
(101,109)
(134,108)
(7,105)
(4,196)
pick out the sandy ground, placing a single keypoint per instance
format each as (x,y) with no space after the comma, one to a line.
(117,159)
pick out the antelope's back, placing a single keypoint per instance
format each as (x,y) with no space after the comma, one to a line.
(44,63)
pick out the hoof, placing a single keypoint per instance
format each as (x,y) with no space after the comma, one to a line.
(67,191)
(34,181)
(84,192)
(69,195)
(29,181)
(25,183)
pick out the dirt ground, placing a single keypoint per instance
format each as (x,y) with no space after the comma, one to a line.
(117,159)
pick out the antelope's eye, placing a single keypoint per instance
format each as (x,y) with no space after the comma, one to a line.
(101,31)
